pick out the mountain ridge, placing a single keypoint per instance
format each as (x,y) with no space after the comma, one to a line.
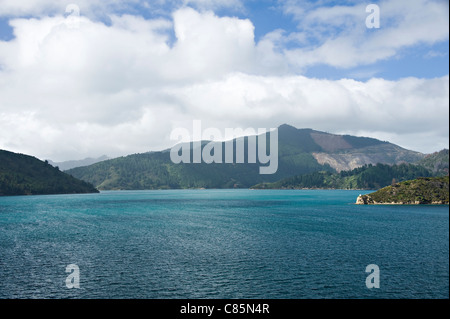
(296,148)
(437,162)
(22,174)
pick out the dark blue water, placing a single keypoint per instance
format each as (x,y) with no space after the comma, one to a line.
(221,244)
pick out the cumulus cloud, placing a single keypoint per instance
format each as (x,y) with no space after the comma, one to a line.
(101,8)
(331,105)
(69,91)
(338,35)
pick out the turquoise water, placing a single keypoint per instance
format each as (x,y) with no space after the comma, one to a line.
(267,244)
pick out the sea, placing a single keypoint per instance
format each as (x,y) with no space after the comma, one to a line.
(221,244)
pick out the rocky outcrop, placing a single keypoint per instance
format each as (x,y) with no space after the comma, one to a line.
(344,162)
(348,159)
(367,200)
(364,200)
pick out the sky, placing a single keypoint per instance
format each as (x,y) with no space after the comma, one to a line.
(88,78)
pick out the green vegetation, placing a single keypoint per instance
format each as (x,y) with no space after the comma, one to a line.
(425,190)
(296,148)
(156,171)
(437,162)
(25,175)
(360,142)
(365,177)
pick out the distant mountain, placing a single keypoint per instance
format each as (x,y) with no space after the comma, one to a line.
(437,162)
(301,151)
(26,175)
(64,166)
(426,190)
(365,177)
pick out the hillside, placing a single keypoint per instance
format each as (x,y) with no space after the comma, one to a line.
(365,177)
(426,190)
(26,175)
(298,149)
(437,162)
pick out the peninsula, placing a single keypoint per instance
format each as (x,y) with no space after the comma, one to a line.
(22,174)
(423,190)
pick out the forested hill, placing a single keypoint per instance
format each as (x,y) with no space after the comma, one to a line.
(424,190)
(301,151)
(437,162)
(365,177)
(26,175)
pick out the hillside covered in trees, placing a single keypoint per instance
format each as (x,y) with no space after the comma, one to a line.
(26,175)
(424,190)
(300,151)
(365,177)
(437,162)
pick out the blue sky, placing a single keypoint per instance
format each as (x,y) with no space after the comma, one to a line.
(417,60)
(420,61)
(131,71)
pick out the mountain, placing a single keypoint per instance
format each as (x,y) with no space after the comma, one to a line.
(437,162)
(301,151)
(345,152)
(426,190)
(26,175)
(64,166)
(365,177)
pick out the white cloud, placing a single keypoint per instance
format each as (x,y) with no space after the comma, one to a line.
(435,54)
(214,4)
(210,45)
(103,8)
(375,105)
(71,92)
(339,37)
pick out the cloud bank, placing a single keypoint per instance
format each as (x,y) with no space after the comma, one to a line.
(73,89)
